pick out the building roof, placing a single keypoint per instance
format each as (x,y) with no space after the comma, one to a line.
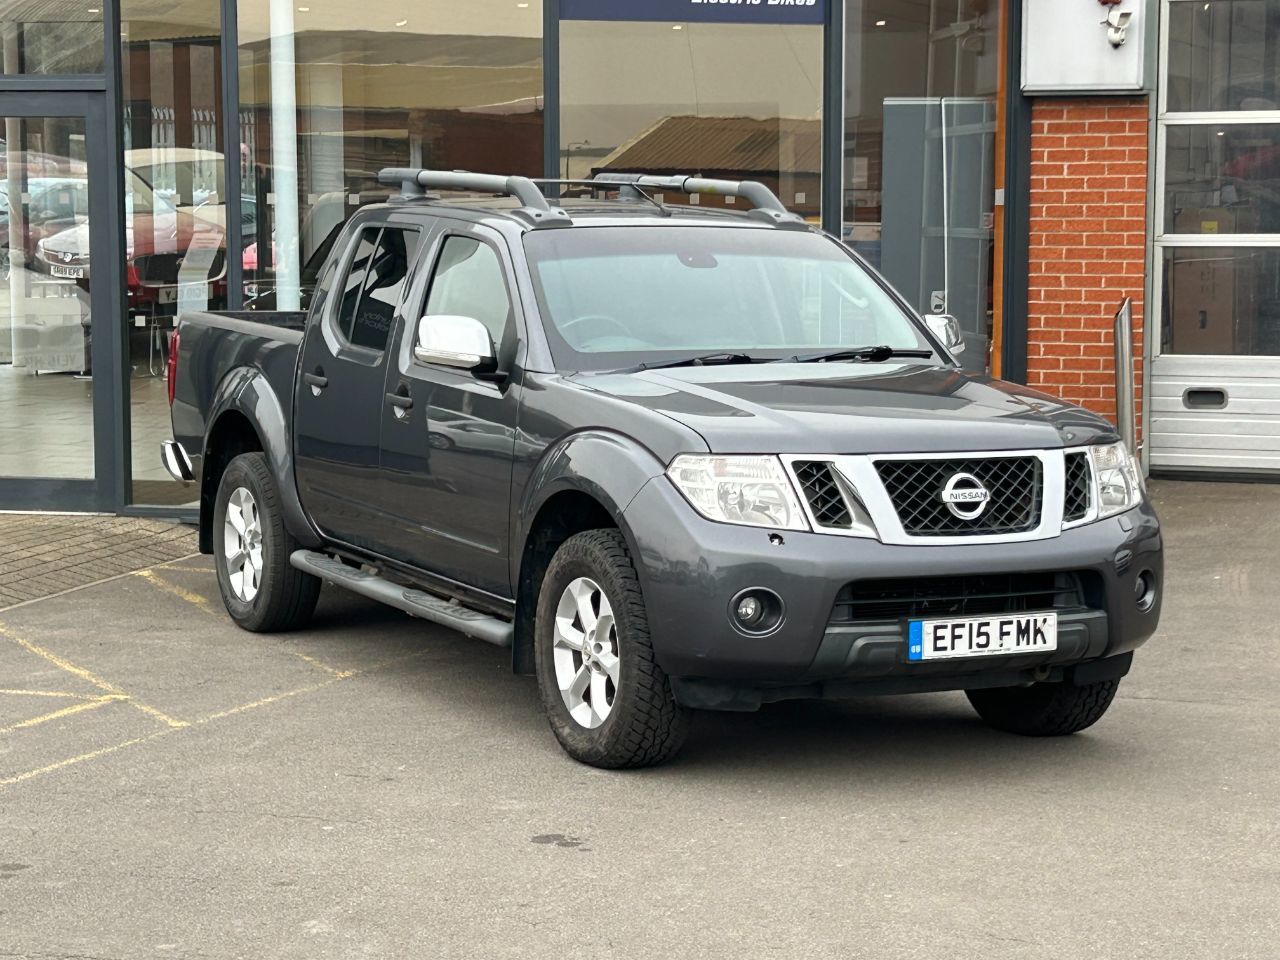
(690,144)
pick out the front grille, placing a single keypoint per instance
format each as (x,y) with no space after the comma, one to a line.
(822,492)
(915,487)
(1076,501)
(988,594)
(163,268)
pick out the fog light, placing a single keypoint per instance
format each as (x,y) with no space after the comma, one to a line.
(1144,590)
(756,611)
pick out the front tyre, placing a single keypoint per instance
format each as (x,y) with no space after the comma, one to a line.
(251,547)
(608,702)
(1045,709)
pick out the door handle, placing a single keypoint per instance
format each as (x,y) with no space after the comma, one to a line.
(317,381)
(400,401)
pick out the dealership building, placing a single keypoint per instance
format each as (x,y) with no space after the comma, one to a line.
(1024,165)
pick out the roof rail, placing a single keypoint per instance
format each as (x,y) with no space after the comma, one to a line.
(765,203)
(534,206)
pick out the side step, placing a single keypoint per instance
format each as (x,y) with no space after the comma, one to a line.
(416,603)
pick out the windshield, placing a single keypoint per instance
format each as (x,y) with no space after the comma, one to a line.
(614,297)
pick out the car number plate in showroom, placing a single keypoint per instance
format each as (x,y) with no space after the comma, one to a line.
(982,636)
(67,273)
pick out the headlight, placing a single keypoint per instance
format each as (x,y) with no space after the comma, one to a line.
(753,491)
(1119,479)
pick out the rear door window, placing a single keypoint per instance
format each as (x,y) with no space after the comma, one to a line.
(375,285)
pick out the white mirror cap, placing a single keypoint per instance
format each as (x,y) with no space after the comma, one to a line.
(453,340)
(947,329)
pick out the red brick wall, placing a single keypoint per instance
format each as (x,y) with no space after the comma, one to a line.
(1088,243)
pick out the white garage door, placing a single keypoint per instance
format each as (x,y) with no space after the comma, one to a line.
(1214,395)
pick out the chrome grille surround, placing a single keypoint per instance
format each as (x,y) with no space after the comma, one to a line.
(862,478)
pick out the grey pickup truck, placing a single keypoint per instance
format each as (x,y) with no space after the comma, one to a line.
(674,457)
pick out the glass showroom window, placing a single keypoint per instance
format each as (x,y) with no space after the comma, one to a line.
(331,93)
(39,37)
(921,80)
(734,100)
(176,206)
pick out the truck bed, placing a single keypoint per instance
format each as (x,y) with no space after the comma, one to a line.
(218,351)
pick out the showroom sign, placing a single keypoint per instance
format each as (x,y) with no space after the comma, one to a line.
(702,11)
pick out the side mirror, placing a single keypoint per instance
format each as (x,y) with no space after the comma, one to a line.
(460,342)
(947,329)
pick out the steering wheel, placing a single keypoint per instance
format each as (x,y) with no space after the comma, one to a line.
(567,328)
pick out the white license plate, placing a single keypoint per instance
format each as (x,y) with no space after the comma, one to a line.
(70,273)
(167,295)
(982,636)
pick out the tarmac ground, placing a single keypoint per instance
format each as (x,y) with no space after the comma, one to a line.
(376,787)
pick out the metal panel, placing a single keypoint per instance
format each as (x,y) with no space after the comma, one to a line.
(833,120)
(1066,48)
(231,149)
(551,90)
(1017,207)
(1244,435)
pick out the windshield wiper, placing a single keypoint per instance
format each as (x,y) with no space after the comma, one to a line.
(716,359)
(862,354)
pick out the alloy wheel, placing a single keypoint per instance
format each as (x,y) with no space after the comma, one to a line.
(242,544)
(586,653)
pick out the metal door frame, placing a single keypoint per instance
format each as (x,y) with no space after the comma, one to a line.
(107,491)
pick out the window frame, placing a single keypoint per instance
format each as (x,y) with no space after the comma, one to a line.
(340,345)
(504,351)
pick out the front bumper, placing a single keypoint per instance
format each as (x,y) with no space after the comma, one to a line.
(692,568)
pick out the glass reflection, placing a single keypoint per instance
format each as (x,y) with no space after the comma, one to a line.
(1224,55)
(1221,301)
(45,334)
(175,207)
(921,78)
(38,37)
(1222,179)
(326,103)
(739,101)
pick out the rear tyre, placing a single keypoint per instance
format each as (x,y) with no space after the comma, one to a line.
(1046,709)
(609,703)
(251,547)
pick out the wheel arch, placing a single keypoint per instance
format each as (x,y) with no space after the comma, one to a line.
(248,418)
(585,482)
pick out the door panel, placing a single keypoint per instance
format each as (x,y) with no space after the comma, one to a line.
(340,396)
(447,458)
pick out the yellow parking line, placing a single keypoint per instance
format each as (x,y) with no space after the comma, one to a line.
(64,712)
(85,675)
(93,755)
(266,701)
(172,588)
(170,566)
(340,674)
(337,678)
(59,662)
(45,693)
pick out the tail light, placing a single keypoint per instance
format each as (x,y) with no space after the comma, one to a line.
(171,368)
